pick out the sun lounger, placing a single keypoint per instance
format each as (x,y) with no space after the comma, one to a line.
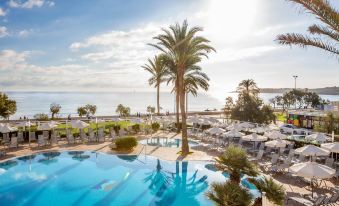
(307,202)
(70,139)
(258,157)
(92,137)
(14,142)
(31,137)
(268,165)
(41,141)
(20,137)
(329,162)
(101,136)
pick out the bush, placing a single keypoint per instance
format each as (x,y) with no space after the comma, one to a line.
(116,129)
(126,143)
(41,117)
(155,126)
(136,128)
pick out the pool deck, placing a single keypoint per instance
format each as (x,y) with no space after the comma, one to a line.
(291,187)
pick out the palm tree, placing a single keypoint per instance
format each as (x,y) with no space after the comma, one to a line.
(235,162)
(159,72)
(329,16)
(248,86)
(274,192)
(193,81)
(185,48)
(229,194)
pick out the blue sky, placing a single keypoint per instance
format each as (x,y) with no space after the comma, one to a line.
(100,45)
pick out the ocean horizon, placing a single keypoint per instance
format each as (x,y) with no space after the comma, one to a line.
(31,103)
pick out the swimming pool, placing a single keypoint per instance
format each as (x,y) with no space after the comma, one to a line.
(89,178)
(166,142)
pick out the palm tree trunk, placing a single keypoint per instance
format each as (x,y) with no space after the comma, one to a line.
(177,99)
(186,101)
(158,99)
(181,89)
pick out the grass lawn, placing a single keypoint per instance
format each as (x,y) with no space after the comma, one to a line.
(281,117)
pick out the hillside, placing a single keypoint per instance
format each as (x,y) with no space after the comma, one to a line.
(325,91)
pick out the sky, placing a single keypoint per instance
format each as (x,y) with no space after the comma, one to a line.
(86,45)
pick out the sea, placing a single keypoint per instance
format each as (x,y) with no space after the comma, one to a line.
(31,103)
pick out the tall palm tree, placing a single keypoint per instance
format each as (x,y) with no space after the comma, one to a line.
(185,48)
(329,16)
(159,72)
(248,86)
(193,81)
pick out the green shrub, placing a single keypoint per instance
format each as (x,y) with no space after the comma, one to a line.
(155,126)
(41,117)
(125,143)
(116,129)
(136,128)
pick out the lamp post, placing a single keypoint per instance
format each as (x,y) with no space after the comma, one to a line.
(295,87)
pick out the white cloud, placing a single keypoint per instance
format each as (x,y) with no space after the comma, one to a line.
(3,32)
(50,3)
(2,12)
(25,33)
(28,4)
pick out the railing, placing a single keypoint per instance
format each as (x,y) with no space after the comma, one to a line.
(142,149)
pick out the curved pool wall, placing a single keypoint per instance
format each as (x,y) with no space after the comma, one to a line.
(166,142)
(90,178)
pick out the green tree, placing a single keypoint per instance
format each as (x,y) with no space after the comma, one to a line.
(41,117)
(274,192)
(90,109)
(158,70)
(81,111)
(181,44)
(235,162)
(324,36)
(151,109)
(120,109)
(229,105)
(54,109)
(249,87)
(229,194)
(7,106)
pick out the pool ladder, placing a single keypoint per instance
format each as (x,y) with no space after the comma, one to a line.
(142,149)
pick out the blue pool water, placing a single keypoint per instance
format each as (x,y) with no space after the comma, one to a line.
(88,178)
(163,142)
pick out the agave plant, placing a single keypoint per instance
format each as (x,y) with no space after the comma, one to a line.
(235,162)
(229,194)
(325,36)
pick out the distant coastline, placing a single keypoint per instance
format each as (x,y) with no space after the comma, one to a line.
(323,91)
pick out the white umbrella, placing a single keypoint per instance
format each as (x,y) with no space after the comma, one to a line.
(213,119)
(204,122)
(46,126)
(215,130)
(278,143)
(24,124)
(116,119)
(332,147)
(311,150)
(312,170)
(259,130)
(272,127)
(254,138)
(320,137)
(275,135)
(136,121)
(79,124)
(234,133)
(246,125)
(193,119)
(234,127)
(6,128)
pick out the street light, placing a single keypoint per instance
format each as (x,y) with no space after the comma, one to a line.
(295,87)
(295,81)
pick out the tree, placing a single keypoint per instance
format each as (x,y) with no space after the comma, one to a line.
(235,162)
(181,44)
(229,105)
(273,101)
(158,70)
(298,96)
(81,111)
(229,194)
(7,106)
(123,111)
(248,86)
(90,109)
(274,192)
(151,109)
(41,117)
(327,15)
(55,109)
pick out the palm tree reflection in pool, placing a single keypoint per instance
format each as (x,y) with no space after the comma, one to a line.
(169,186)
